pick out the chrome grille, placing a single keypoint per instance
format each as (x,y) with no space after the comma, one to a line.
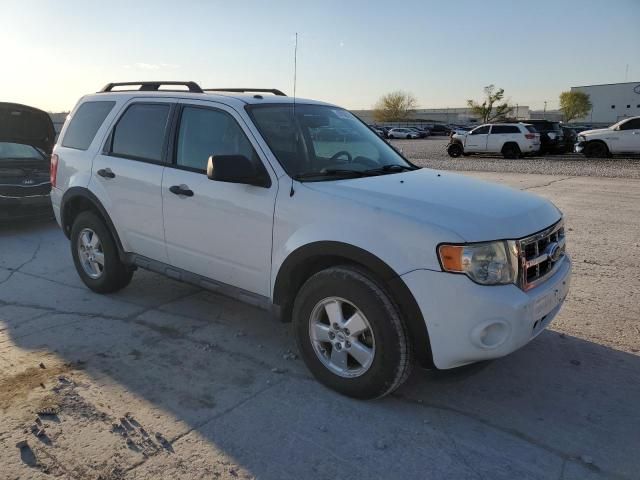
(540,255)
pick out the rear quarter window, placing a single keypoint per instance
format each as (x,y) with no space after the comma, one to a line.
(85,124)
(531,128)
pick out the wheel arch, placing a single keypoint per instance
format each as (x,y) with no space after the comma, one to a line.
(314,257)
(79,199)
(511,144)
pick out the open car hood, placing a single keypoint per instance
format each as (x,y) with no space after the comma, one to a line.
(26,125)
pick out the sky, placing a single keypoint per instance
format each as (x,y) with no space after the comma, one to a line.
(349,52)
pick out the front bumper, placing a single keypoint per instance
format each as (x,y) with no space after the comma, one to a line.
(468,322)
(25,208)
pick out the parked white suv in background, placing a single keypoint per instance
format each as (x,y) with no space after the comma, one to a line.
(378,263)
(621,137)
(509,139)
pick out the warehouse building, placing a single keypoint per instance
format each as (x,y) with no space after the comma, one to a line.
(611,102)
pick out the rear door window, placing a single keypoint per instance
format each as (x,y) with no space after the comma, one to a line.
(85,124)
(497,129)
(141,131)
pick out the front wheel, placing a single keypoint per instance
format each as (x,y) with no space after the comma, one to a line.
(95,255)
(455,150)
(350,334)
(596,150)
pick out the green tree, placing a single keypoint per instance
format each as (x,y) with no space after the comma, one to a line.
(394,106)
(488,110)
(574,105)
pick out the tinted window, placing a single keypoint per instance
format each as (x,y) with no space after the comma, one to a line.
(480,130)
(140,132)
(205,132)
(531,128)
(631,124)
(85,123)
(497,129)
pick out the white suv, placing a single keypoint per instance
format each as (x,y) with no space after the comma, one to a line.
(512,140)
(621,137)
(378,263)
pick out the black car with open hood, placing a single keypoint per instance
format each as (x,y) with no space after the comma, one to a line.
(26,141)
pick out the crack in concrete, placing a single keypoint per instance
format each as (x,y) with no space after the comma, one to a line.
(227,410)
(566,457)
(24,264)
(549,183)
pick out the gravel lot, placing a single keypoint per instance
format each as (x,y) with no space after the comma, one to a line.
(166,381)
(431,152)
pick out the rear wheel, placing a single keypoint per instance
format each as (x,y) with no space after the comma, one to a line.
(596,150)
(95,255)
(511,151)
(350,333)
(455,150)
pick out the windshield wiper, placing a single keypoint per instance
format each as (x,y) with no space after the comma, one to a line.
(393,168)
(332,172)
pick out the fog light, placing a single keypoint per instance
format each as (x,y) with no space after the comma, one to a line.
(490,335)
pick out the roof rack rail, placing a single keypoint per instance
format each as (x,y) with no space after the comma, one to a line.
(152,86)
(275,91)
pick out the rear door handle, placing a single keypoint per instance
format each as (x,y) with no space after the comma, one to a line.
(181,190)
(106,173)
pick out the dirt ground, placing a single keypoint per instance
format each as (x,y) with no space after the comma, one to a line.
(166,381)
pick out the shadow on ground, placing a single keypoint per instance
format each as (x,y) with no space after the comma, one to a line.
(214,380)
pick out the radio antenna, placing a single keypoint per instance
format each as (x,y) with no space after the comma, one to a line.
(293,123)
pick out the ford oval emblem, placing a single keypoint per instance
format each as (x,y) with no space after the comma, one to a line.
(637,89)
(554,251)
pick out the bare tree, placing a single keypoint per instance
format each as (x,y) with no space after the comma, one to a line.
(394,106)
(488,110)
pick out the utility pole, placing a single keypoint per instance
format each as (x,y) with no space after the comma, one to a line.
(517,111)
(544,112)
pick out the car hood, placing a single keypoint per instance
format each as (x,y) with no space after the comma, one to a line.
(26,125)
(473,209)
(595,131)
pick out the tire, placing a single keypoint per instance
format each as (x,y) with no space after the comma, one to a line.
(347,291)
(409,137)
(112,274)
(455,150)
(596,150)
(511,151)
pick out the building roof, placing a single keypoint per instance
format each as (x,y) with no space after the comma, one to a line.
(606,84)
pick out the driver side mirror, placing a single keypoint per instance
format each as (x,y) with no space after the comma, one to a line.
(236,169)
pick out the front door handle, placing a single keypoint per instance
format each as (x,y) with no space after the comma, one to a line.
(106,173)
(181,190)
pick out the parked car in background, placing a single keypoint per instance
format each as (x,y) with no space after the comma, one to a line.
(437,129)
(26,141)
(380,132)
(621,137)
(421,133)
(512,140)
(402,132)
(570,137)
(551,136)
(245,204)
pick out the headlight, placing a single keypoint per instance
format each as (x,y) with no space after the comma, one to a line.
(582,138)
(489,263)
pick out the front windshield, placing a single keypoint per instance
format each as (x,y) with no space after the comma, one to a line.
(17,151)
(320,140)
